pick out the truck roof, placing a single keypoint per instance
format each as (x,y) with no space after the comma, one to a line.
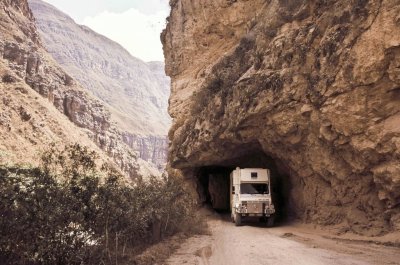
(252,174)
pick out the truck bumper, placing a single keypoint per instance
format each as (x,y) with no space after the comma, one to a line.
(249,211)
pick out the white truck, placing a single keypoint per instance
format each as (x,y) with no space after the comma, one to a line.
(250,195)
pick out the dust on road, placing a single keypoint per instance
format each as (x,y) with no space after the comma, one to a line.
(253,244)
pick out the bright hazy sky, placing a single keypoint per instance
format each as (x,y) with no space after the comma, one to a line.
(135,24)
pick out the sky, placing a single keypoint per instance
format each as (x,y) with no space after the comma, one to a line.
(135,24)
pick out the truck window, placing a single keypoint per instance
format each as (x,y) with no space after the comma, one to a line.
(254,188)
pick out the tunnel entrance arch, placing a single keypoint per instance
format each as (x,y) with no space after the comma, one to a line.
(214,181)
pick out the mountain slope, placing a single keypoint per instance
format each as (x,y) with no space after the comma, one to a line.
(135,92)
(29,123)
(65,113)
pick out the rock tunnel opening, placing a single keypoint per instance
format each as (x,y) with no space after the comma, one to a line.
(214,182)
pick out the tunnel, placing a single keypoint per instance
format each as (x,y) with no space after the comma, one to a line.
(214,181)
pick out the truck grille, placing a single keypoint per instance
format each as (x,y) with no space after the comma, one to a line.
(255,207)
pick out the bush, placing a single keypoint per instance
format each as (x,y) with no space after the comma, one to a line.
(67,211)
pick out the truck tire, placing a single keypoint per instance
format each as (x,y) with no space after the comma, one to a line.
(238,219)
(270,221)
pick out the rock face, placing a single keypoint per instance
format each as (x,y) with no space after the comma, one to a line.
(135,92)
(310,87)
(28,72)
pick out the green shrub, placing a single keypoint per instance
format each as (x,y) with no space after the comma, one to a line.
(68,211)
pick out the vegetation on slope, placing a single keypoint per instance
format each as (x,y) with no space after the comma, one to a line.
(69,211)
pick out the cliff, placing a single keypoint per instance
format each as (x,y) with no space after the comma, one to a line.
(42,104)
(310,89)
(135,92)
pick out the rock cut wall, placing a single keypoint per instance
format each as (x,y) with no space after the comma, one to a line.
(315,84)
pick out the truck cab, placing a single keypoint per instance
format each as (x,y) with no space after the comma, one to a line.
(250,195)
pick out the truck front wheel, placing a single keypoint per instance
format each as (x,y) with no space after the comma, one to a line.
(238,219)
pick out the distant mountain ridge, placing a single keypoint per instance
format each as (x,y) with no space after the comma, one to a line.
(136,92)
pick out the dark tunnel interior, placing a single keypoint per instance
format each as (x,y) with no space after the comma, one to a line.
(214,182)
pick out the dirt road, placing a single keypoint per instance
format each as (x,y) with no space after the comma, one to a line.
(253,244)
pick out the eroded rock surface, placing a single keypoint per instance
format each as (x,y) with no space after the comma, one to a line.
(313,84)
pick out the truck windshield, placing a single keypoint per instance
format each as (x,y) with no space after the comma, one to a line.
(254,188)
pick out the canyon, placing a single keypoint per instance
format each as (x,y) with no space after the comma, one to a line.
(309,89)
(135,92)
(42,104)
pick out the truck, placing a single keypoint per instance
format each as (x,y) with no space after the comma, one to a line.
(250,195)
